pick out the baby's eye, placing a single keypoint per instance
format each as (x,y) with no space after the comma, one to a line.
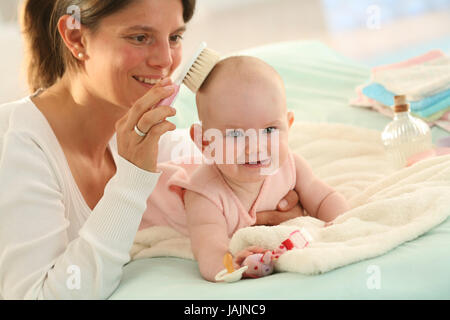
(234,133)
(269,130)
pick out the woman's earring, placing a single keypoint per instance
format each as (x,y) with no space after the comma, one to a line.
(81,55)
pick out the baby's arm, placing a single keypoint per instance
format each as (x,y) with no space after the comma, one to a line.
(318,198)
(208,233)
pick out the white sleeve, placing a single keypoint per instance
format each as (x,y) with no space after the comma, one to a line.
(37,260)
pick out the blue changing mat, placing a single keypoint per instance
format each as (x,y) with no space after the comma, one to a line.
(319,83)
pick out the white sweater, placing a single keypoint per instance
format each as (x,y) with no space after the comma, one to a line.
(52,245)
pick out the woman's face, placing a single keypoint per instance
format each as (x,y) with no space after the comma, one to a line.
(141,43)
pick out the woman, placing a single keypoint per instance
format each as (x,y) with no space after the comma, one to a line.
(75,168)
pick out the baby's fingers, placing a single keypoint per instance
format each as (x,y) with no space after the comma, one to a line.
(241,255)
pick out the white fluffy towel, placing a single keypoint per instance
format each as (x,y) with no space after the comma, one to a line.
(388,207)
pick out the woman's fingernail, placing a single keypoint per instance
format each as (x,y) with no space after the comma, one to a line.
(165,81)
(283,203)
(169,88)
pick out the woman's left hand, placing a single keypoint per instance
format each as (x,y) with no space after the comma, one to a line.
(288,208)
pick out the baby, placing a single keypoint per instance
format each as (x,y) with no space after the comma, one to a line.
(210,202)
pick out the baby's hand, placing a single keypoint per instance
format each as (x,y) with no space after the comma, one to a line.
(241,255)
(237,271)
(259,265)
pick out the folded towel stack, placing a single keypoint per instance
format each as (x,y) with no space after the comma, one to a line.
(425,80)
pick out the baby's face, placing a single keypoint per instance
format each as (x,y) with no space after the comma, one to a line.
(253,123)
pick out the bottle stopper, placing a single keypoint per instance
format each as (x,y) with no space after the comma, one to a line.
(400,104)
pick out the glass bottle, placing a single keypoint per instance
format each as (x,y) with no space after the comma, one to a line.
(406,135)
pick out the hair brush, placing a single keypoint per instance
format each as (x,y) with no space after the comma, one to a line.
(194,72)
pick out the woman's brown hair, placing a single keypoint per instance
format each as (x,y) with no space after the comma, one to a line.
(47,57)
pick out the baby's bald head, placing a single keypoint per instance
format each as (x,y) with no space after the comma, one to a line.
(242,77)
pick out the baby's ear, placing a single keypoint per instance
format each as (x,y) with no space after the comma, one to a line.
(290,118)
(196,133)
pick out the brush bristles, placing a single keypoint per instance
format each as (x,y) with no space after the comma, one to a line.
(200,69)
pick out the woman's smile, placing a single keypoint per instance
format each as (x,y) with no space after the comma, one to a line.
(148,81)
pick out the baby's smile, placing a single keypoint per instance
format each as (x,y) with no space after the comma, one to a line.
(257,164)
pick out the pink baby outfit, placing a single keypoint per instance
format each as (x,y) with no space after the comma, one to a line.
(165,206)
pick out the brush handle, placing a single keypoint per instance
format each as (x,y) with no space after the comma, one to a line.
(171,99)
